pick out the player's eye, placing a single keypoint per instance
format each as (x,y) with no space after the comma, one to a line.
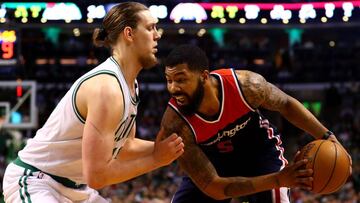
(181,80)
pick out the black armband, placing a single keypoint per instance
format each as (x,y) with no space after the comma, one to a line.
(327,135)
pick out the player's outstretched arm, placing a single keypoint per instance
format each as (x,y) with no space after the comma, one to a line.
(100,102)
(202,172)
(260,93)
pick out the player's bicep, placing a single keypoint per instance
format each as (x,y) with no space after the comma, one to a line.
(260,93)
(104,112)
(276,100)
(193,161)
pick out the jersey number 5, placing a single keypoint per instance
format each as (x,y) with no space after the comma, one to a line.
(225,146)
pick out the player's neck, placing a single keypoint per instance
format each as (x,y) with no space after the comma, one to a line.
(129,67)
(210,105)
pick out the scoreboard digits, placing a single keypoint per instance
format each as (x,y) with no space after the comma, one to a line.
(8,54)
(7,49)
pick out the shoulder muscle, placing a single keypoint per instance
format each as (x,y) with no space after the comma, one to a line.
(101,100)
(254,87)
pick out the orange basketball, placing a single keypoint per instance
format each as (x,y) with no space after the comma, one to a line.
(330,164)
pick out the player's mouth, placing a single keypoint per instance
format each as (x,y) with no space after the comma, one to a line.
(155,50)
(180,99)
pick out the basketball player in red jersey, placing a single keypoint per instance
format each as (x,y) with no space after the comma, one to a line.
(89,141)
(231,150)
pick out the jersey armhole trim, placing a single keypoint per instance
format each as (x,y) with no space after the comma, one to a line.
(241,93)
(76,110)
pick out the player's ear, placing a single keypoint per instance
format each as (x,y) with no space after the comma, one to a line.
(204,75)
(128,33)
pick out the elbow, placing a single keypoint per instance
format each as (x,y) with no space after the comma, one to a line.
(219,197)
(215,194)
(94,180)
(95,184)
(215,190)
(286,108)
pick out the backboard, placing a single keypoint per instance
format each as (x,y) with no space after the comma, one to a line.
(17,104)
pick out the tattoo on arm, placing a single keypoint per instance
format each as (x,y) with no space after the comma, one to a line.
(276,99)
(260,93)
(253,87)
(194,162)
(245,185)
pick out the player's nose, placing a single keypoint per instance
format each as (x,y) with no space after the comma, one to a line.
(173,88)
(157,35)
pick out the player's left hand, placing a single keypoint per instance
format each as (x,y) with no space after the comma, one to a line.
(167,149)
(334,139)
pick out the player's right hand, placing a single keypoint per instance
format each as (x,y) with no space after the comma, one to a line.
(167,149)
(296,175)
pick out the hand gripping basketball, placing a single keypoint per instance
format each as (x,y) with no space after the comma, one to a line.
(330,163)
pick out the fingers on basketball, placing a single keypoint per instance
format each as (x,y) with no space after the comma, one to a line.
(330,164)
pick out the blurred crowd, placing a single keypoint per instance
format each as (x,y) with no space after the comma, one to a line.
(317,58)
(277,54)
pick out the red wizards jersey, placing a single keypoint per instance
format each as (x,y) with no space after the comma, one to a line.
(239,142)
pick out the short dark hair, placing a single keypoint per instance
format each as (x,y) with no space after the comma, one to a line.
(191,55)
(115,21)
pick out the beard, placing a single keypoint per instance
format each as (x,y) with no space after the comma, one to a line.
(194,100)
(148,62)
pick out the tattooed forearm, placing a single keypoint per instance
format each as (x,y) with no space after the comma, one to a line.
(201,171)
(244,186)
(194,162)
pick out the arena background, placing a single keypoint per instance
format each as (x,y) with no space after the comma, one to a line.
(310,49)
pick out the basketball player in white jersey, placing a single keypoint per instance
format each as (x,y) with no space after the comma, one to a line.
(88,141)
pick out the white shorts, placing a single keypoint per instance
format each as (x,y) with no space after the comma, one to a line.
(20,185)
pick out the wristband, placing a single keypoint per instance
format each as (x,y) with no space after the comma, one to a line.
(327,135)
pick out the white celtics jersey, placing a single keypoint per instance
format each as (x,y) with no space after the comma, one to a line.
(56,148)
